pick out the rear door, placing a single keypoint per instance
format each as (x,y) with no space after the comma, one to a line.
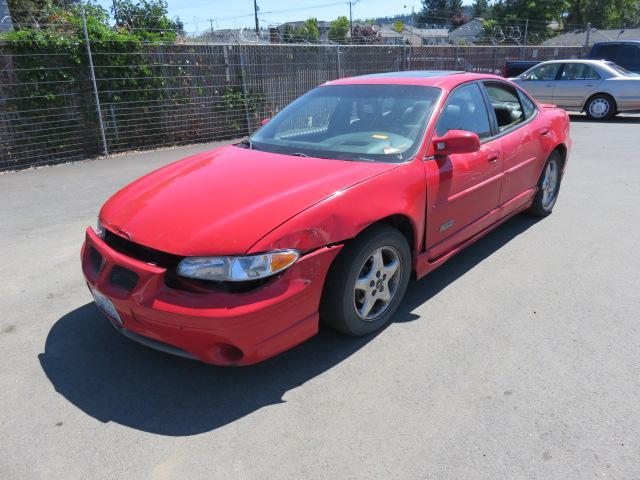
(575,84)
(540,81)
(521,131)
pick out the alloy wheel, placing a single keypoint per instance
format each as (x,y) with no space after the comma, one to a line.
(550,185)
(377,283)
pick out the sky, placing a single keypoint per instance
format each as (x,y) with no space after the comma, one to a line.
(198,15)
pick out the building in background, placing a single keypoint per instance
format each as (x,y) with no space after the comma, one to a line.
(5,17)
(579,37)
(413,36)
(470,32)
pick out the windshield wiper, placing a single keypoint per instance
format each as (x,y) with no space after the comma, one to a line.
(299,154)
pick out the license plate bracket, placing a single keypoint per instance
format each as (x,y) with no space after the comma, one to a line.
(107,307)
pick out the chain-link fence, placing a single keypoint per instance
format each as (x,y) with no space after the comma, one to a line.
(153,95)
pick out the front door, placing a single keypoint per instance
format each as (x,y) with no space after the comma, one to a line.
(462,188)
(540,81)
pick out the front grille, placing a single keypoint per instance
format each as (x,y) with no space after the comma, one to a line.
(123,277)
(140,252)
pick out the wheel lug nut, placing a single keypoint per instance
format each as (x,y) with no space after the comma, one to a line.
(378,274)
(384,277)
(373,293)
(372,284)
(382,289)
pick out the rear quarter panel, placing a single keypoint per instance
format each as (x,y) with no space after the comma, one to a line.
(625,91)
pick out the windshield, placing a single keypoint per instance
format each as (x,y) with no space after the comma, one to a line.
(351,122)
(621,70)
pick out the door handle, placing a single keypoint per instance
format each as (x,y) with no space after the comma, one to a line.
(544,131)
(493,158)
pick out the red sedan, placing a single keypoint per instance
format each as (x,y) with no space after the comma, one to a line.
(234,255)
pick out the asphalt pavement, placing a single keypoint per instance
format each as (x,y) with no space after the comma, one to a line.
(519,358)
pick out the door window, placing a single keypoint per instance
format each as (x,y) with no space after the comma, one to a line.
(543,72)
(465,110)
(578,71)
(506,105)
(528,107)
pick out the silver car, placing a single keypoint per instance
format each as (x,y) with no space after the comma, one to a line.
(598,87)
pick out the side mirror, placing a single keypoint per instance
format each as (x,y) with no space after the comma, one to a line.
(265,121)
(456,141)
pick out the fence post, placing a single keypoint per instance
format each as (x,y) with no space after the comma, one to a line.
(526,34)
(245,95)
(93,80)
(339,64)
(586,41)
(495,58)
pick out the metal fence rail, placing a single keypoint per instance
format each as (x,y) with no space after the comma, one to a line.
(158,95)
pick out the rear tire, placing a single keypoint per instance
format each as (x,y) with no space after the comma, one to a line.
(367,281)
(548,186)
(600,107)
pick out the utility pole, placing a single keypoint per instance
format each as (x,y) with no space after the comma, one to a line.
(586,42)
(255,14)
(211,23)
(351,3)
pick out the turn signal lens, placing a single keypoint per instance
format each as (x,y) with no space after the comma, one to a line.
(237,269)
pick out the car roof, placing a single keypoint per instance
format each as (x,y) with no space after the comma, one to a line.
(616,42)
(428,78)
(588,61)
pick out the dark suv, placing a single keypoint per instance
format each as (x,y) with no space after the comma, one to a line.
(626,54)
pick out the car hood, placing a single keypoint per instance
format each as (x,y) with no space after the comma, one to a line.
(223,201)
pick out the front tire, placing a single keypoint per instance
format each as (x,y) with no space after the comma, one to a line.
(548,186)
(600,107)
(367,282)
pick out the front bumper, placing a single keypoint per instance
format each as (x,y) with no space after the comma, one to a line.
(215,327)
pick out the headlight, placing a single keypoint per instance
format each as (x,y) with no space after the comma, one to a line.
(237,269)
(99,229)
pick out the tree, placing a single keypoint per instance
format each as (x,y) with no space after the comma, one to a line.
(440,12)
(313,32)
(338,30)
(30,13)
(481,8)
(365,35)
(307,32)
(148,19)
(612,14)
(398,26)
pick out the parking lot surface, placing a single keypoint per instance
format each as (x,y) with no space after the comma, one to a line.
(519,358)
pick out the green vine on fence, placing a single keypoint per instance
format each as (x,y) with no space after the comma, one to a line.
(49,75)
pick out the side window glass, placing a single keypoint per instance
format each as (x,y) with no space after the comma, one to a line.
(465,110)
(506,105)
(528,107)
(590,73)
(572,71)
(543,72)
